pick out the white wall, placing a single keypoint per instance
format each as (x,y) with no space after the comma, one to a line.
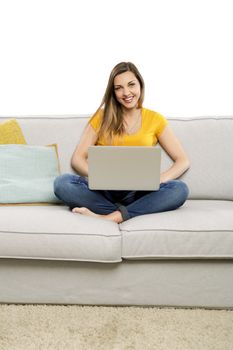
(56,55)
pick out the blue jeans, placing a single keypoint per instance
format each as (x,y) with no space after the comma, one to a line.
(74,192)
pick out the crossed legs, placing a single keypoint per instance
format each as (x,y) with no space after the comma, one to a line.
(118,206)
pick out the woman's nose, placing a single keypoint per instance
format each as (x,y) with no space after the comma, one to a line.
(126,91)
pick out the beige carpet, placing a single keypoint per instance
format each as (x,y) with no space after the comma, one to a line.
(42,327)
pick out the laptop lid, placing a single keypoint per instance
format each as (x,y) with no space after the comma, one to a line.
(124,168)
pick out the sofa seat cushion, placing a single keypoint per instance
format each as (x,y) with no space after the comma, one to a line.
(199,229)
(53,232)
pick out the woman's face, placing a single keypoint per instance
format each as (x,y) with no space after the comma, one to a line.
(127,90)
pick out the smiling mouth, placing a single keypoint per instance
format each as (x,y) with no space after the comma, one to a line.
(128,99)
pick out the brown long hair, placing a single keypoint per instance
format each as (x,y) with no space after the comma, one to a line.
(112,120)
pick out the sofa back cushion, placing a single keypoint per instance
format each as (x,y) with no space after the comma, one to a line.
(44,130)
(209,145)
(208,142)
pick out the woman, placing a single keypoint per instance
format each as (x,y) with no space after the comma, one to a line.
(121,120)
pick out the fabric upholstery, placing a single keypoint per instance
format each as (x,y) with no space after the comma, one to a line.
(209,145)
(177,258)
(183,283)
(208,142)
(200,229)
(55,233)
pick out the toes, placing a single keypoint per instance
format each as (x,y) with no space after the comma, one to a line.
(81,210)
(76,210)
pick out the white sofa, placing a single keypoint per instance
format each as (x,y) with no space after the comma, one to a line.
(177,258)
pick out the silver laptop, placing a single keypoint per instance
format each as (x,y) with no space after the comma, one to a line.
(124,168)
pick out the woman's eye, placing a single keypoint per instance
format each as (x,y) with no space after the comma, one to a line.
(131,84)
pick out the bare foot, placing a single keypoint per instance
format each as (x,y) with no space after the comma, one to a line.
(114,216)
(84,211)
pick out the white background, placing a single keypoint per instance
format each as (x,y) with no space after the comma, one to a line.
(56,55)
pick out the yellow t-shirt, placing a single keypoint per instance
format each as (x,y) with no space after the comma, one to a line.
(152,126)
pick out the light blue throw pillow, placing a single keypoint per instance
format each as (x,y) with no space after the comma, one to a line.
(27,174)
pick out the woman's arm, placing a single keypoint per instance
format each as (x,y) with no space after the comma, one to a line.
(79,157)
(173,147)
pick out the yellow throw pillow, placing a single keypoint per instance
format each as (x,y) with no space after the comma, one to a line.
(11,133)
